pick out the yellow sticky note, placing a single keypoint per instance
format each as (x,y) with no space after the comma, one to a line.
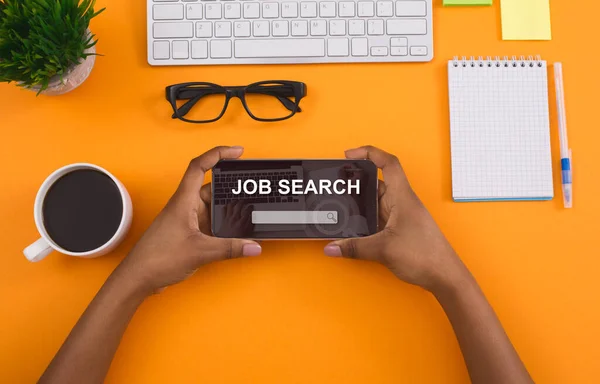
(526,20)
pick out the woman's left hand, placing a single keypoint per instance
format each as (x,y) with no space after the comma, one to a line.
(179,242)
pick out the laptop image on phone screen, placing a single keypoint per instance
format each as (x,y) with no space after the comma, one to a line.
(262,203)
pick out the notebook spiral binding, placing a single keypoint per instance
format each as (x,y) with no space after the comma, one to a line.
(497,61)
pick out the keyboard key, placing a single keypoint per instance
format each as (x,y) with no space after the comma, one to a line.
(251,10)
(379,51)
(193,11)
(366,9)
(399,51)
(161,50)
(280,28)
(308,9)
(214,11)
(242,29)
(233,10)
(418,51)
(199,49)
(327,9)
(270,10)
(289,9)
(407,27)
(173,30)
(360,47)
(280,48)
(337,47)
(356,27)
(337,27)
(346,9)
(260,28)
(167,12)
(375,27)
(398,42)
(411,8)
(220,49)
(223,29)
(385,9)
(300,28)
(318,28)
(203,29)
(181,49)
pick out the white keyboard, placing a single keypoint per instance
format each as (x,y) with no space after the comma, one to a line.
(198,32)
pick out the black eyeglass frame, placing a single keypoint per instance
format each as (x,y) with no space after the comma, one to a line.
(174,93)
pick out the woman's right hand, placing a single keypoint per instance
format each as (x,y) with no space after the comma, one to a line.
(409,243)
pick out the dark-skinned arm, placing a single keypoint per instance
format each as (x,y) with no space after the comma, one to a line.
(172,249)
(413,247)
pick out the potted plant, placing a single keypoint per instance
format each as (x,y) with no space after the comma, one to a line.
(46,45)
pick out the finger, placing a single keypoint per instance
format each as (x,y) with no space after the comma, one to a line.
(206,194)
(363,248)
(237,208)
(229,209)
(247,227)
(381,187)
(384,214)
(224,249)
(194,176)
(247,210)
(389,164)
(247,216)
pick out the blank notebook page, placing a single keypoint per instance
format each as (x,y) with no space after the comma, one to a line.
(500,130)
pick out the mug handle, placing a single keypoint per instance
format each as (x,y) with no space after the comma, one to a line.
(38,250)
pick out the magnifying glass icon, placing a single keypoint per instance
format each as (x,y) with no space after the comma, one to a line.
(331,216)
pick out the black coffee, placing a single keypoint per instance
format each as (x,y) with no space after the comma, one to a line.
(82,210)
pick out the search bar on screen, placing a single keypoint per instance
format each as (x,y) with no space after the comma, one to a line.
(294,217)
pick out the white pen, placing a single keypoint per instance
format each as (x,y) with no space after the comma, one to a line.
(565,151)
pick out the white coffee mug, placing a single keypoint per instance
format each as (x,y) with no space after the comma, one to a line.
(42,248)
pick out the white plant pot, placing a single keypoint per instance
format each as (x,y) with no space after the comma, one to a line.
(73,78)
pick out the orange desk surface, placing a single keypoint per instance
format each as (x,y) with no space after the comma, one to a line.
(293,315)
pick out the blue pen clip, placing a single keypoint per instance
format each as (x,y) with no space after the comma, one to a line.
(567,180)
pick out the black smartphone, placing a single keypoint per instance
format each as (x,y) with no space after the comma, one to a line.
(294,199)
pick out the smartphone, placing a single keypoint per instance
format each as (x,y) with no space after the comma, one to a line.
(294,199)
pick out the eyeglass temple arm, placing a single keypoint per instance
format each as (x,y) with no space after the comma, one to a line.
(185,108)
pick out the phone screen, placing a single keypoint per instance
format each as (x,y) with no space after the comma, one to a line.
(294,199)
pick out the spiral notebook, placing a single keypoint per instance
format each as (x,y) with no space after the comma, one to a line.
(500,129)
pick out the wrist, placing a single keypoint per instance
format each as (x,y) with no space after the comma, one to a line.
(129,284)
(454,276)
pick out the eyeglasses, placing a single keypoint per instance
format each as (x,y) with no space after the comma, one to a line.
(264,101)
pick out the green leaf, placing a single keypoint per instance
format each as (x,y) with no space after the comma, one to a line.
(40,39)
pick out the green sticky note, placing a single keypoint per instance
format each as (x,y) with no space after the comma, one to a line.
(467,2)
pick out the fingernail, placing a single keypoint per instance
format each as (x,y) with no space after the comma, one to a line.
(237,147)
(251,250)
(333,251)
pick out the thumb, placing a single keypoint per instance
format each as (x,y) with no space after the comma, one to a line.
(223,249)
(364,248)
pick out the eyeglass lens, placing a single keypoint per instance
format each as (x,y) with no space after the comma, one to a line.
(200,102)
(271,100)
